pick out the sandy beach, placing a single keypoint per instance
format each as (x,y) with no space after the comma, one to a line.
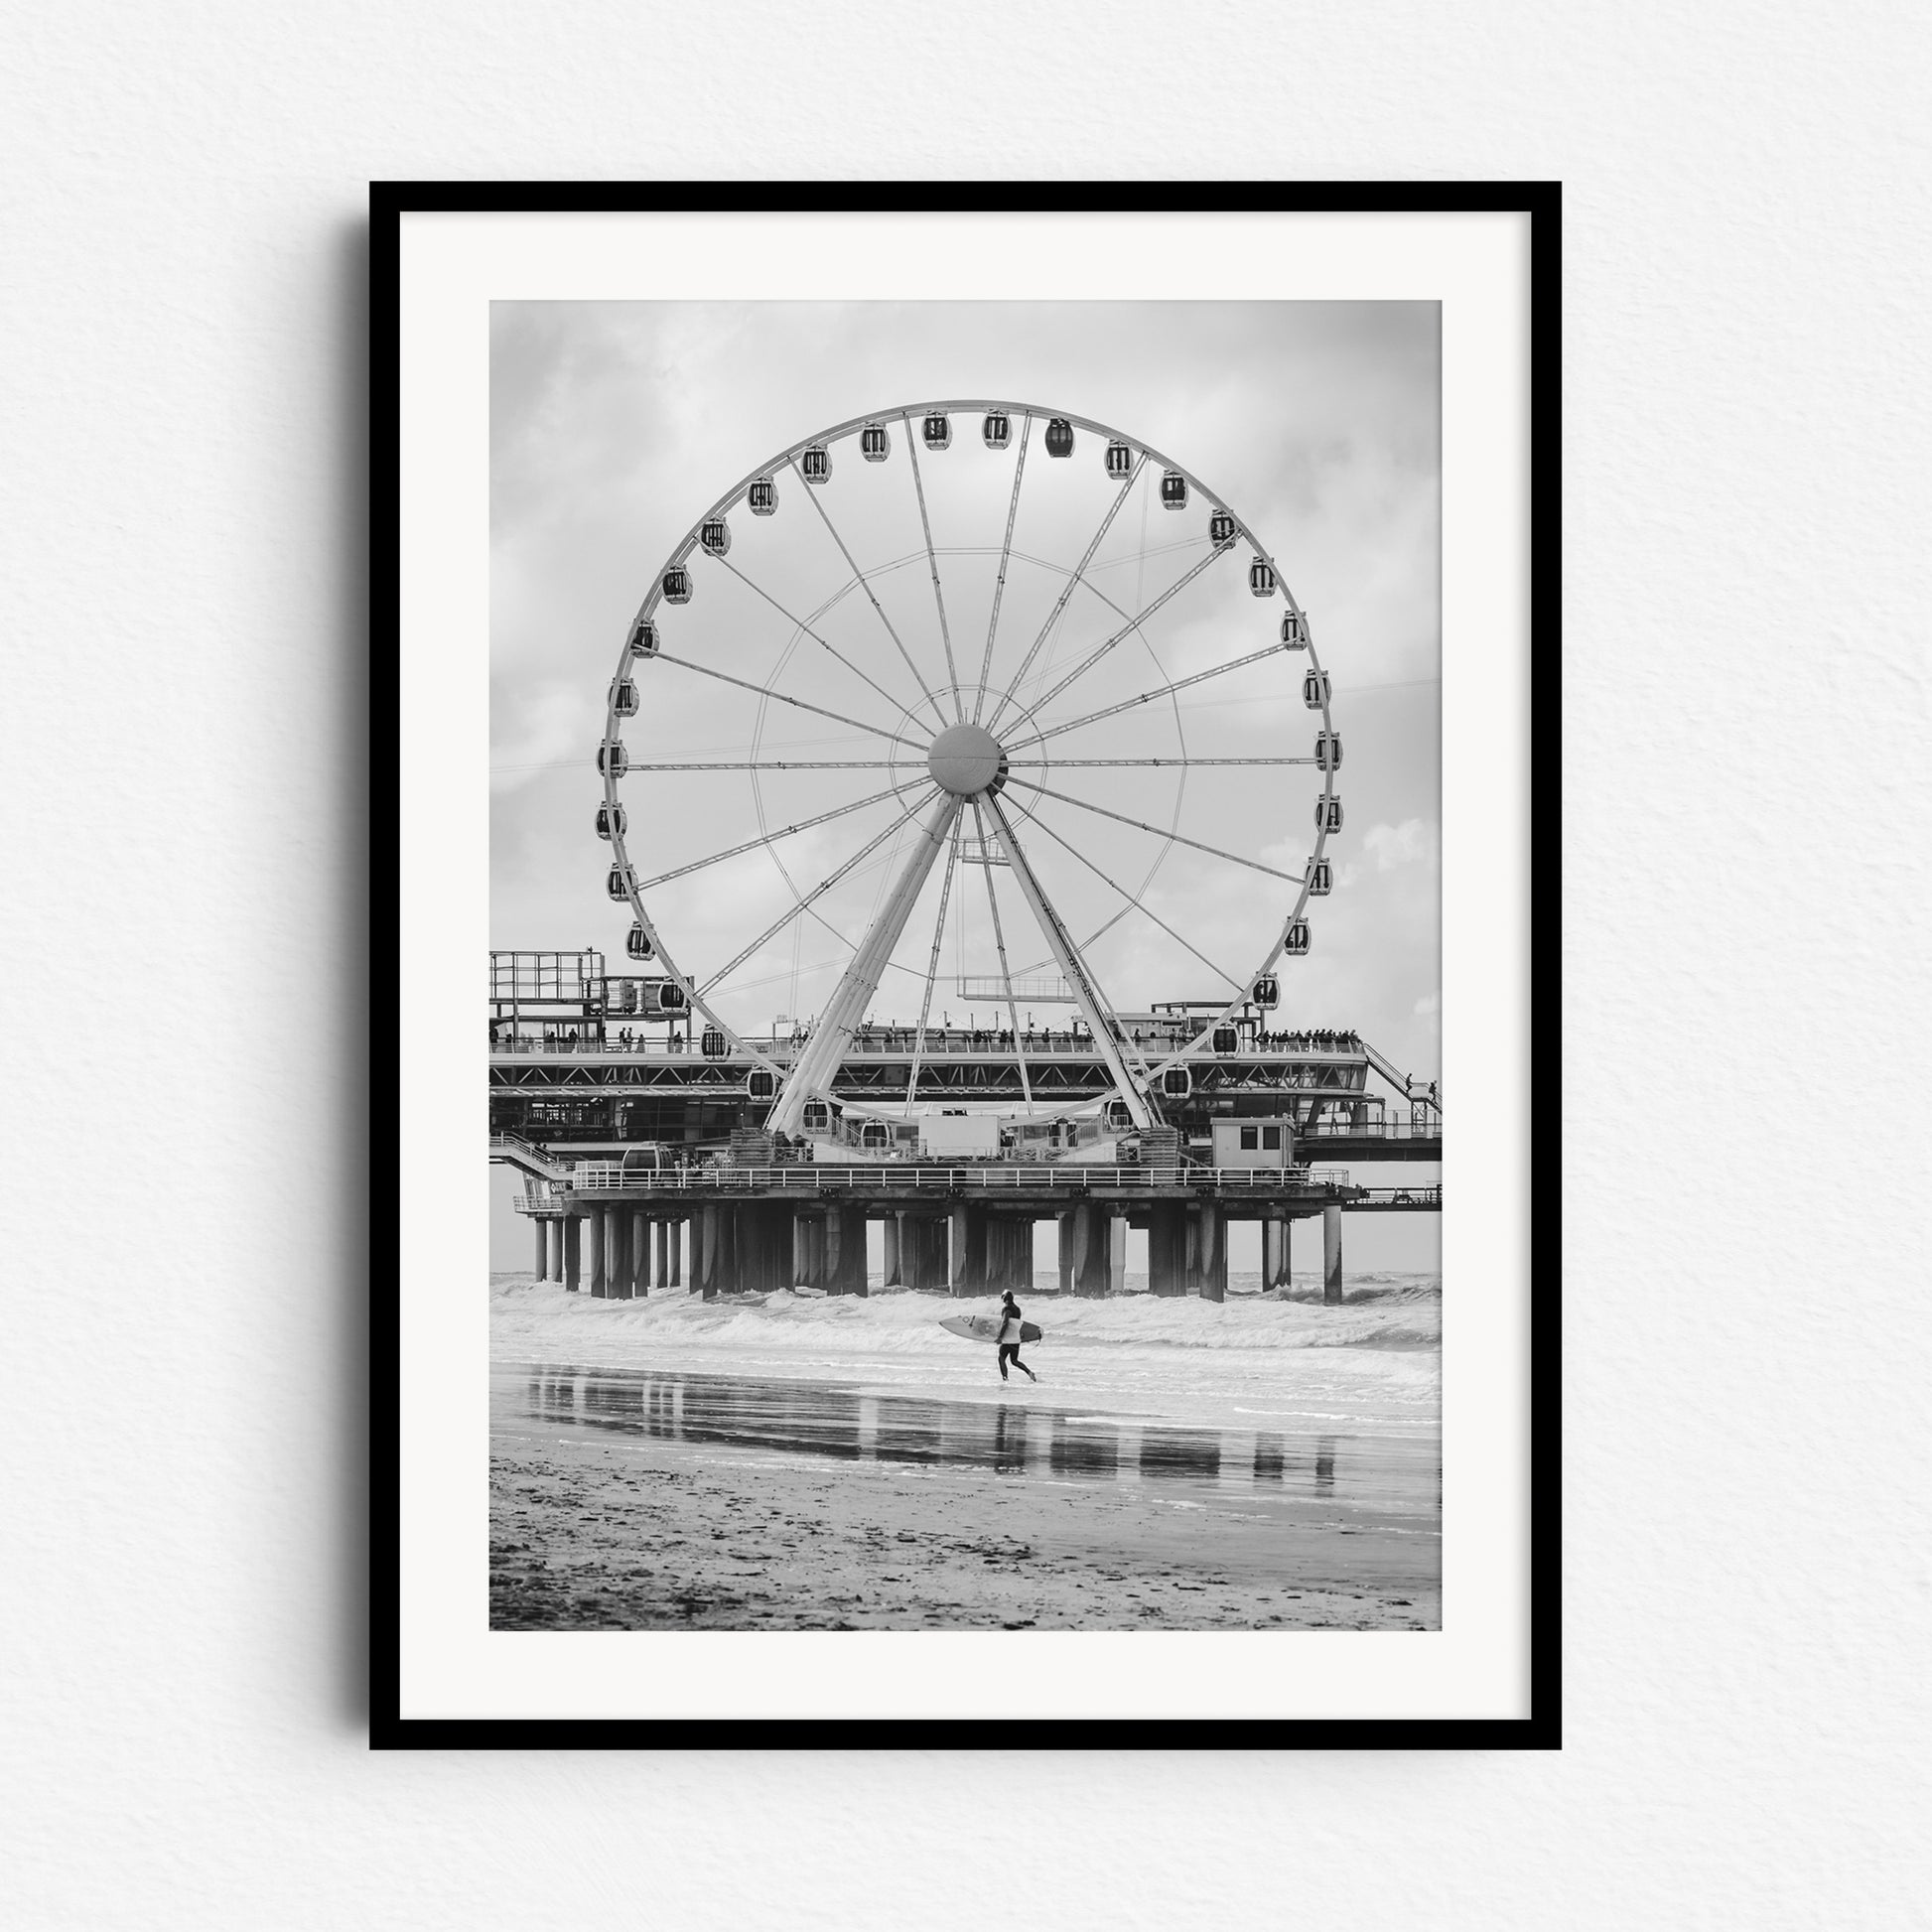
(806,1462)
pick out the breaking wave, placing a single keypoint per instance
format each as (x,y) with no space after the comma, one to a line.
(1386,1312)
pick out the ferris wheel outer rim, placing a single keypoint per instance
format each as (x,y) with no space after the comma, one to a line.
(856,425)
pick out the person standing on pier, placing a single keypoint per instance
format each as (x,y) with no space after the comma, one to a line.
(1010,1338)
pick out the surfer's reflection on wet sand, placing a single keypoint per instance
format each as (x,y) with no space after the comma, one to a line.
(1008,1438)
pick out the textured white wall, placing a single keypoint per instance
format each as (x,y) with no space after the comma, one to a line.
(1747,393)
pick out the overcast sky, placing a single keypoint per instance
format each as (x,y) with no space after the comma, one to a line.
(615,426)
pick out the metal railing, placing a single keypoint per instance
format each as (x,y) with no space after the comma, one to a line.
(917,1177)
(1398,1198)
(512,1142)
(897,1045)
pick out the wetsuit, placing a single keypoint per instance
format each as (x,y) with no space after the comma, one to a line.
(1010,1339)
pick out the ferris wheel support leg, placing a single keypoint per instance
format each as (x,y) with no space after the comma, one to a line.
(815,1071)
(1073,970)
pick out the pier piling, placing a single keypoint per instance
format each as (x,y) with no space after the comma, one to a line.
(807,1251)
(923,1257)
(617,1263)
(1332,1256)
(1084,1264)
(1167,1248)
(597,1257)
(842,1251)
(1009,1256)
(1275,1252)
(967,1245)
(1208,1252)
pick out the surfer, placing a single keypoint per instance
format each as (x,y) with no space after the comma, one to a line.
(1010,1338)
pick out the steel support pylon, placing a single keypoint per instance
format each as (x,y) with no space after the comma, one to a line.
(1086,992)
(817,1066)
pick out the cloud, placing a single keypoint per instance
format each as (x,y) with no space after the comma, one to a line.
(1402,845)
(548,725)
(615,425)
(1430,1003)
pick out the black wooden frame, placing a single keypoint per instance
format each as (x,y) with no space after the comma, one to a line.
(1541,202)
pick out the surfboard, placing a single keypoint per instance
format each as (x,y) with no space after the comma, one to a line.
(985,1328)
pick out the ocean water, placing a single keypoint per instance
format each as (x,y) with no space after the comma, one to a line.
(1283,1361)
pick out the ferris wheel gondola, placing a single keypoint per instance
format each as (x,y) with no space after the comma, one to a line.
(961,767)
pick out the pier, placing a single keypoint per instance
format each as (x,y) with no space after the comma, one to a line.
(647,1165)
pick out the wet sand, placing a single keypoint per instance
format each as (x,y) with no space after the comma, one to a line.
(627,1500)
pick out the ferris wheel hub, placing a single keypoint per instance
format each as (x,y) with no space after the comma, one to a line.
(966,759)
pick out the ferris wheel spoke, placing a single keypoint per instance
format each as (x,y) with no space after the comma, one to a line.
(785,832)
(1072,583)
(998,592)
(765,691)
(1107,1036)
(1000,944)
(1134,904)
(932,564)
(807,764)
(1149,697)
(1125,630)
(865,585)
(933,965)
(800,624)
(1141,825)
(1069,765)
(817,892)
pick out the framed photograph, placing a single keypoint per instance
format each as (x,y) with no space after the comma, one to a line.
(984,736)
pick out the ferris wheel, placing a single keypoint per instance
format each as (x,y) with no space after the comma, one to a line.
(956,638)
